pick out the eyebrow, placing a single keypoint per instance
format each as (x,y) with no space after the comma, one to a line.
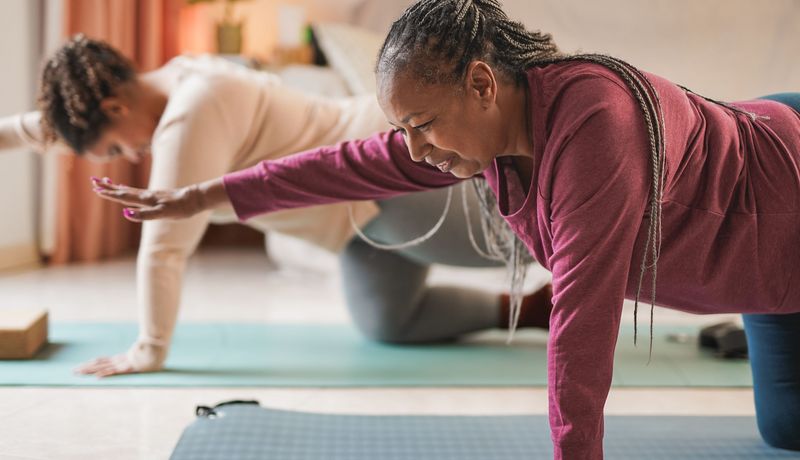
(406,119)
(410,116)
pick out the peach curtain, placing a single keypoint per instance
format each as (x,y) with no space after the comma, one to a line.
(87,228)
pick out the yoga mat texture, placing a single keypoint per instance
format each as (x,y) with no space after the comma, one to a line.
(247,431)
(232,355)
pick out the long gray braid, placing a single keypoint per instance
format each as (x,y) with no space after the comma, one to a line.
(436,40)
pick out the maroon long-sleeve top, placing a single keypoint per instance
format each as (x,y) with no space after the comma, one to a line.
(731,214)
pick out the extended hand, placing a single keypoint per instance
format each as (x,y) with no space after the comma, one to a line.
(142,204)
(107,366)
(141,357)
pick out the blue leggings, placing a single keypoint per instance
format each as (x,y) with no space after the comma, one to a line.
(774,347)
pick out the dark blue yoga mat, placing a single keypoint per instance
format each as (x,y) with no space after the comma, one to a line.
(247,431)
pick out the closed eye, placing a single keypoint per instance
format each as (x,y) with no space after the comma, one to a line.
(424,127)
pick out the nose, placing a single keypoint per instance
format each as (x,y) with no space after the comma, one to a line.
(95,158)
(418,148)
(131,155)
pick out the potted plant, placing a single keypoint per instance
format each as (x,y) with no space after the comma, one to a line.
(229,30)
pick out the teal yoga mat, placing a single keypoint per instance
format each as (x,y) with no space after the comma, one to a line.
(249,432)
(269,355)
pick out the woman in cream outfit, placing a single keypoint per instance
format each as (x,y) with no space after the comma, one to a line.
(202,117)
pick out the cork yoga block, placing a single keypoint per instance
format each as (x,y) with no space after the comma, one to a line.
(22,333)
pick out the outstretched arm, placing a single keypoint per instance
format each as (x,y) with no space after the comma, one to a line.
(22,130)
(377,167)
(373,168)
(177,203)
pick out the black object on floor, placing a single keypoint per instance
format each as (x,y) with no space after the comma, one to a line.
(727,340)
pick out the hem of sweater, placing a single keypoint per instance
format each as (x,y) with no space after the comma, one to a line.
(584,450)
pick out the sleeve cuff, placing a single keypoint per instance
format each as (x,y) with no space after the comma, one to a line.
(587,450)
(248,192)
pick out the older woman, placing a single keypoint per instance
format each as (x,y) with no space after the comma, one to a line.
(607,173)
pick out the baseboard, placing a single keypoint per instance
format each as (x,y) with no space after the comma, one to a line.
(19,256)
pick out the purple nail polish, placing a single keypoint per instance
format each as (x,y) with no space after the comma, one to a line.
(127,212)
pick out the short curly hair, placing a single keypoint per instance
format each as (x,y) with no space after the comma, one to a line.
(74,81)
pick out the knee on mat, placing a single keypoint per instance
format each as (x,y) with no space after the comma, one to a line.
(384,329)
(780,433)
(386,335)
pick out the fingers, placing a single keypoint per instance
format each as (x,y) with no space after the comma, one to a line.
(103,184)
(113,369)
(128,196)
(91,366)
(142,214)
(143,204)
(94,367)
(106,366)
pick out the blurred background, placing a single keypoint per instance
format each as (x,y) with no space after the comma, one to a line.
(726,49)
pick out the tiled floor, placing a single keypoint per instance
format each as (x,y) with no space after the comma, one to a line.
(144,424)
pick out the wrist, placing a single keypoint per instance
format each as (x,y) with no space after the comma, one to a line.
(147,357)
(211,194)
(196,198)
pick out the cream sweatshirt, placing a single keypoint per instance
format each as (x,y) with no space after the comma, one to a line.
(222,117)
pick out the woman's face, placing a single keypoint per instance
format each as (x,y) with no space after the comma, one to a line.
(448,126)
(128,134)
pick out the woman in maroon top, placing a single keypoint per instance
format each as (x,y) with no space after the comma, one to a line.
(606,173)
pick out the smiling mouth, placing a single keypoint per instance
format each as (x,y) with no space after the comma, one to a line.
(445,165)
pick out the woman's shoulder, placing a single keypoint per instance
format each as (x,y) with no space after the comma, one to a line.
(204,99)
(204,76)
(205,81)
(578,78)
(569,93)
(216,64)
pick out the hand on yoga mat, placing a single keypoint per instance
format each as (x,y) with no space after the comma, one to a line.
(141,357)
(180,203)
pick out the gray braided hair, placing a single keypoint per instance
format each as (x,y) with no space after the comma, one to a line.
(435,40)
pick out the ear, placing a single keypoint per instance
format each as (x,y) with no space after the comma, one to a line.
(481,83)
(114,108)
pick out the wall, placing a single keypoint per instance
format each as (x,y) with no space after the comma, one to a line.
(725,49)
(261,22)
(19,47)
(52,37)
